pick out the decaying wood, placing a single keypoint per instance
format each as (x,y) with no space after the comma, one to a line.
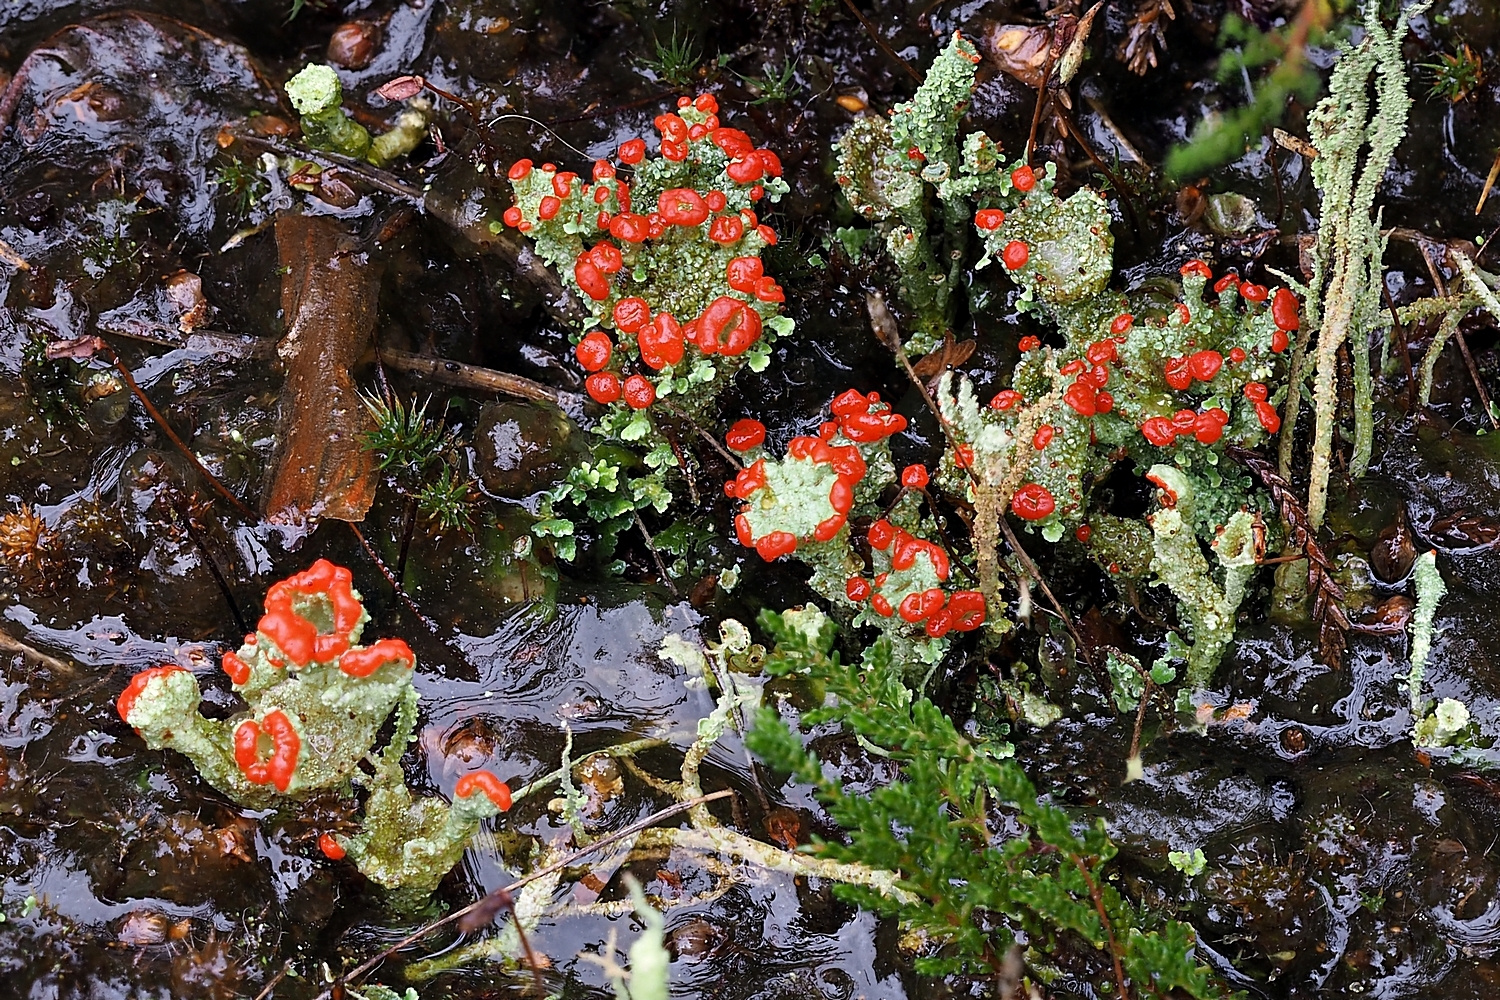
(328,297)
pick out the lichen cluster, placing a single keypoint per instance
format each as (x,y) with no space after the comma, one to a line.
(316,700)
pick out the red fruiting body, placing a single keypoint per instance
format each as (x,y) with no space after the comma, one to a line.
(728,327)
(629,227)
(1236,355)
(882,606)
(497,791)
(1183,421)
(1284,308)
(1104,402)
(294,634)
(880,534)
(1183,314)
(1082,397)
(1267,415)
(1043,436)
(1196,268)
(137,685)
(593,351)
(1072,367)
(767,290)
(726,229)
(671,127)
(746,171)
(1005,399)
(631,315)
(1083,533)
(603,171)
(237,669)
(330,847)
(1279,340)
(989,218)
(603,387)
(967,610)
(562,184)
(1253,293)
(592,280)
(1207,429)
(827,429)
(1226,283)
(638,391)
(828,527)
(632,151)
(1097,376)
(775,545)
(1205,365)
(365,661)
(715,201)
(1159,431)
(1177,373)
(841,496)
(1029,344)
(1023,178)
(770,161)
(1256,392)
(1015,255)
(963,456)
(1102,352)
(547,208)
(512,216)
(733,142)
(707,103)
(742,273)
(768,234)
(849,402)
(750,479)
(1121,324)
(914,477)
(285,743)
(661,343)
(1033,502)
(682,207)
(849,463)
(857,589)
(742,530)
(519,169)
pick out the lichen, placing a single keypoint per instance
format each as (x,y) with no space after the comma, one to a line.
(1430,590)
(316,702)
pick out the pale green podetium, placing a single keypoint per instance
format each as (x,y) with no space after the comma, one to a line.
(318,97)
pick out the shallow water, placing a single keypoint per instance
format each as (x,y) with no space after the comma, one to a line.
(1340,862)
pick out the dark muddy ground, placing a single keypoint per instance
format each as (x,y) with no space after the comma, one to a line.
(1340,862)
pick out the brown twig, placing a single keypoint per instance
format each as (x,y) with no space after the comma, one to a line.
(87,346)
(1328,596)
(390,578)
(875,34)
(566,862)
(467,376)
(1109,930)
(661,567)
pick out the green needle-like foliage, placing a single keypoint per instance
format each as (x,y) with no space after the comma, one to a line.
(946,829)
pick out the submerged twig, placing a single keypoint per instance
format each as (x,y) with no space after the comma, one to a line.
(390,578)
(567,861)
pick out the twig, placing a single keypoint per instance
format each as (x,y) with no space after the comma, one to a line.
(1041,96)
(213,567)
(266,990)
(10,644)
(729,456)
(467,376)
(379,179)
(566,862)
(1109,930)
(875,34)
(1328,599)
(391,579)
(661,567)
(86,346)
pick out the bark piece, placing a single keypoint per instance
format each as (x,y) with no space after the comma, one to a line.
(329,291)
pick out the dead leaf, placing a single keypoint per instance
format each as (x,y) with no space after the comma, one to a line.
(401,88)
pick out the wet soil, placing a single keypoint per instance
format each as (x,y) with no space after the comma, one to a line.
(1339,861)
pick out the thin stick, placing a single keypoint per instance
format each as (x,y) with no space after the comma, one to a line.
(285,968)
(874,34)
(213,567)
(467,376)
(729,456)
(151,411)
(391,579)
(565,862)
(1036,115)
(661,567)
